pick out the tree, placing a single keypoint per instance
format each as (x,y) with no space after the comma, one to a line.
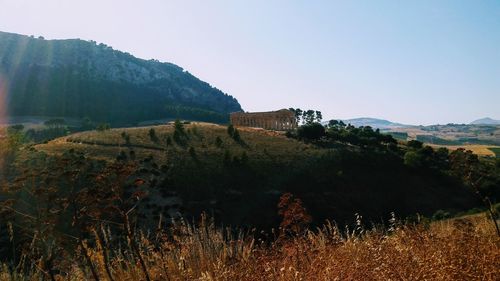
(218,142)
(87,124)
(319,116)
(55,123)
(152,135)
(103,127)
(313,131)
(230,130)
(179,127)
(308,117)
(236,136)
(294,216)
(15,128)
(298,115)
(415,144)
(413,159)
(126,138)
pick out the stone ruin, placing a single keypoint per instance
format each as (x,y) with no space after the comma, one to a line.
(280,120)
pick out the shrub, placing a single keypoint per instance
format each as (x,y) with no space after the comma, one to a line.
(230,130)
(152,135)
(441,214)
(103,127)
(218,142)
(311,132)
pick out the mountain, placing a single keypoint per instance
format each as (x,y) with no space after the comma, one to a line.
(485,121)
(77,78)
(374,123)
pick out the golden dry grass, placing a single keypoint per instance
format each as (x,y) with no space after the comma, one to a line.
(259,143)
(481,150)
(458,249)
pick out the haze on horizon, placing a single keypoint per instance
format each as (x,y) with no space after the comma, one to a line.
(420,62)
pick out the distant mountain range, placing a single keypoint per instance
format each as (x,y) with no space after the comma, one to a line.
(77,78)
(373,122)
(485,121)
(386,124)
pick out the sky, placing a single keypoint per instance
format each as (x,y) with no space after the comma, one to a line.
(413,62)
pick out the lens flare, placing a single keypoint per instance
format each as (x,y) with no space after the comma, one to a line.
(3,120)
(3,99)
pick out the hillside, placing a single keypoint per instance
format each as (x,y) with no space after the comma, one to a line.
(76,78)
(241,182)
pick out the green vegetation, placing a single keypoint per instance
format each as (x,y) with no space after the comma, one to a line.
(399,135)
(436,140)
(495,150)
(105,85)
(451,134)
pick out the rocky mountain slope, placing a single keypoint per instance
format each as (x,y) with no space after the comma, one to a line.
(76,78)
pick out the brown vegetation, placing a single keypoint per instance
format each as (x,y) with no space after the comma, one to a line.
(459,249)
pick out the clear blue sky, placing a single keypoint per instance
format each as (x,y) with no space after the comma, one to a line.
(416,62)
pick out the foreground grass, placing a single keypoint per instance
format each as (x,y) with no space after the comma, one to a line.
(459,249)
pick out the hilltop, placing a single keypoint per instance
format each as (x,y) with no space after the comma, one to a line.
(77,78)
(485,121)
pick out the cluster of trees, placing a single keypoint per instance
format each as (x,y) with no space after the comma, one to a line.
(482,176)
(52,128)
(338,131)
(363,136)
(307,117)
(234,133)
(180,136)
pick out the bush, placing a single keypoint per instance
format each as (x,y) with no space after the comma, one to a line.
(152,135)
(441,214)
(230,130)
(313,131)
(236,136)
(413,159)
(218,142)
(415,144)
(103,127)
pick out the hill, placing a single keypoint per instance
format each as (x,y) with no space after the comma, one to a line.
(451,134)
(132,198)
(373,122)
(76,78)
(240,182)
(485,121)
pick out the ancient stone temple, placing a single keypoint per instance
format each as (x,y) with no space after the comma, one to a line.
(280,120)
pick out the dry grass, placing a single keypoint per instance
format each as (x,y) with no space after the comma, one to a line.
(460,249)
(259,143)
(481,150)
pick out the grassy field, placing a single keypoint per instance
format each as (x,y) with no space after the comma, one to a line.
(454,134)
(258,143)
(481,150)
